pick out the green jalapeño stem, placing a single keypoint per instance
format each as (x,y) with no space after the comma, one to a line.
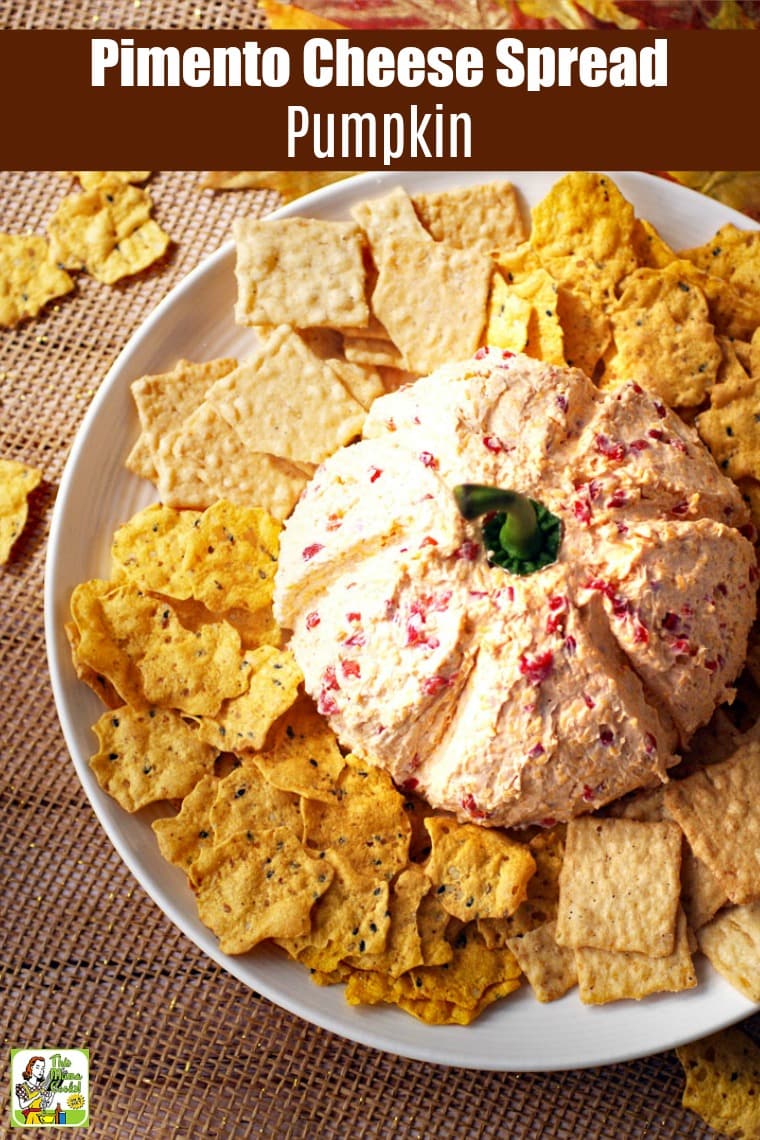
(520,534)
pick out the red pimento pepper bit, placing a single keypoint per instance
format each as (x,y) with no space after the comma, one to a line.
(410,784)
(558,611)
(468,550)
(435,684)
(611,449)
(427,459)
(310,551)
(312,620)
(418,615)
(536,751)
(650,743)
(496,445)
(469,805)
(537,667)
(374,474)
(350,668)
(334,522)
(606,735)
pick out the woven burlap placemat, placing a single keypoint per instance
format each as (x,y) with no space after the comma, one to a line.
(178,1047)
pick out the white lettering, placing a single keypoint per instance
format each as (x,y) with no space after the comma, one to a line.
(103,54)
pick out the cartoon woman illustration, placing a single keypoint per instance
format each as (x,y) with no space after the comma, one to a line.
(33,1093)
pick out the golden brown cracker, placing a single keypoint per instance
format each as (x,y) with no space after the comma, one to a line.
(108,231)
(731,941)
(718,808)
(723,1082)
(17,481)
(258,886)
(30,277)
(477,872)
(148,756)
(620,885)
(609,975)
(487,216)
(299,271)
(286,401)
(443,322)
(657,308)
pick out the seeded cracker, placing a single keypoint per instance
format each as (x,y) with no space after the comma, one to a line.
(303,755)
(731,425)
(17,481)
(719,810)
(723,1082)
(149,548)
(245,801)
(243,721)
(352,917)
(148,756)
(286,401)
(445,320)
(657,307)
(619,885)
(108,231)
(29,277)
(366,820)
(231,554)
(256,886)
(478,872)
(301,272)
(583,231)
(181,837)
(734,255)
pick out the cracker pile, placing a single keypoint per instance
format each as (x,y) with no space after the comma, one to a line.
(107,230)
(283,837)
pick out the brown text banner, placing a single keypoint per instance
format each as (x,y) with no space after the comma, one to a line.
(365,100)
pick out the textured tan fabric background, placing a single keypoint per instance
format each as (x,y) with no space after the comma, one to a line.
(178,1047)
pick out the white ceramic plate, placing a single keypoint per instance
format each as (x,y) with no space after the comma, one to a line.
(97,493)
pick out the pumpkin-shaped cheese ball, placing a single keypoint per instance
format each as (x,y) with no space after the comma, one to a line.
(511,698)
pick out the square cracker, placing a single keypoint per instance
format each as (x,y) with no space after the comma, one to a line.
(164,401)
(445,320)
(732,943)
(719,810)
(286,401)
(206,460)
(391,216)
(301,272)
(609,975)
(620,885)
(549,967)
(485,217)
